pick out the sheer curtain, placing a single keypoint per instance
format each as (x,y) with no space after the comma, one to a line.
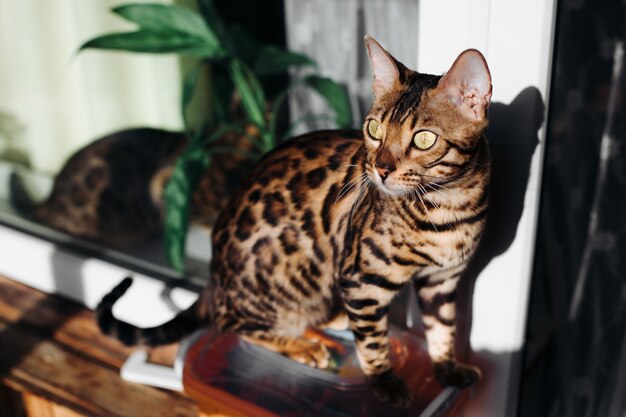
(53,100)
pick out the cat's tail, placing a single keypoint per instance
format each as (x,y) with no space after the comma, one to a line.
(20,198)
(185,323)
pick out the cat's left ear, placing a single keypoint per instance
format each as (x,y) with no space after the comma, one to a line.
(468,84)
(385,68)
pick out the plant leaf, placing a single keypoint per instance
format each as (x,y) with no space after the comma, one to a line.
(274,60)
(153,42)
(213,21)
(188,170)
(250,92)
(189,88)
(336,96)
(252,100)
(168,18)
(255,87)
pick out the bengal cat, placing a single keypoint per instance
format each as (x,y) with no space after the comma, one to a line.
(335,223)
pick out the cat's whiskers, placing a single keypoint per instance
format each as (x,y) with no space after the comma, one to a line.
(431,200)
(440,186)
(350,185)
(442,195)
(356,203)
(365,186)
(426,211)
(433,176)
(346,189)
(476,163)
(427,195)
(346,166)
(347,156)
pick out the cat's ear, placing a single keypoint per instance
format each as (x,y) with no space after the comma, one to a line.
(468,84)
(384,67)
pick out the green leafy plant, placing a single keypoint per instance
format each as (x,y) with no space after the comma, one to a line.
(238,66)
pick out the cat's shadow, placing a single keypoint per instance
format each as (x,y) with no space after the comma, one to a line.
(513,136)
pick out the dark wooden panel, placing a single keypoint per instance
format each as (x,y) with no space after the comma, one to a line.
(51,348)
(11,403)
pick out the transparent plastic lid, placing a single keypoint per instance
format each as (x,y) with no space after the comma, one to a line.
(226,370)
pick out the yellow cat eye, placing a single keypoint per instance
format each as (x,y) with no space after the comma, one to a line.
(424,139)
(375,129)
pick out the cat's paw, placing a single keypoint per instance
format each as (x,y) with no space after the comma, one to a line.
(389,388)
(456,374)
(310,352)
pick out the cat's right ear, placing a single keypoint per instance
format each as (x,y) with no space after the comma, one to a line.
(468,84)
(384,67)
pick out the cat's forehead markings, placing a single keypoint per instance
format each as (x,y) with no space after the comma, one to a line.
(425,119)
(385,113)
(410,99)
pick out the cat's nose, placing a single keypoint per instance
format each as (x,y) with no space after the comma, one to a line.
(384,170)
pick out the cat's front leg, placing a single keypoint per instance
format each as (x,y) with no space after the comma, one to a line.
(366,299)
(437,294)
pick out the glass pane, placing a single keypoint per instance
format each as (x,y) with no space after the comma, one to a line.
(89,139)
(576,356)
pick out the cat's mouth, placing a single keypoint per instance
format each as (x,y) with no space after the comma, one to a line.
(389,186)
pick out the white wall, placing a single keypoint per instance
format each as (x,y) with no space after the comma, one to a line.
(63,99)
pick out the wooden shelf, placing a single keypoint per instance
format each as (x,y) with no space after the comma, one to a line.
(55,363)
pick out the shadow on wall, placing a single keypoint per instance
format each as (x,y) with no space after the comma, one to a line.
(513,138)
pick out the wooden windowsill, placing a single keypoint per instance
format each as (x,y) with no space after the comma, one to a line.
(55,363)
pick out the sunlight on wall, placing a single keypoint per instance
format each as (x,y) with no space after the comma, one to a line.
(63,99)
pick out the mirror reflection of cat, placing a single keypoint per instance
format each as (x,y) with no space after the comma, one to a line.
(110,191)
